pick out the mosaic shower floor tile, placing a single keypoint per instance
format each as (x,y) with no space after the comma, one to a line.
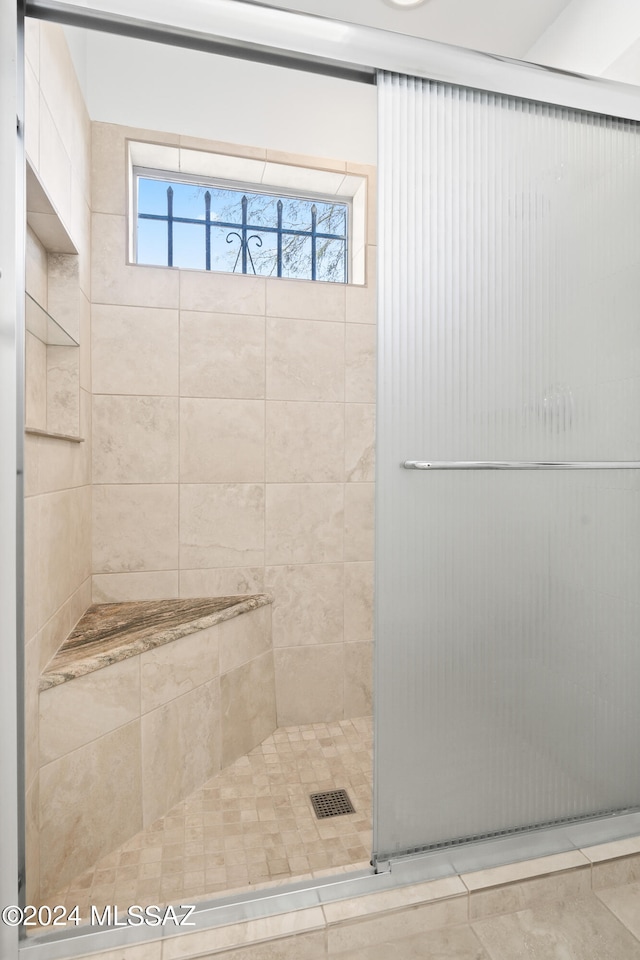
(251,824)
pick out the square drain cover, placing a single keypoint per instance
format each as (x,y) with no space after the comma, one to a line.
(333,803)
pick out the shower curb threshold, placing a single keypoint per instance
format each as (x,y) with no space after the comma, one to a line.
(423,892)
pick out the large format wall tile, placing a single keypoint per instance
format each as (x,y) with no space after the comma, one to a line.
(54,163)
(180,748)
(221,525)
(221,441)
(305,300)
(59,626)
(244,638)
(135,527)
(256,483)
(63,397)
(60,87)
(108,168)
(106,774)
(304,442)
(63,298)
(305,360)
(360,363)
(35,400)
(79,499)
(81,228)
(59,466)
(74,713)
(120,337)
(221,582)
(115,281)
(156,585)
(307,603)
(109,162)
(358,521)
(54,550)
(309,683)
(135,439)
(31,465)
(221,355)
(359,441)
(304,522)
(358,600)
(36,276)
(358,679)
(221,292)
(248,706)
(175,668)
(84,324)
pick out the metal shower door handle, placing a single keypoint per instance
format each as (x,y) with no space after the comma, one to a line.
(521,464)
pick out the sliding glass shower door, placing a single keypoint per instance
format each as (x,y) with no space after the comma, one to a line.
(508,512)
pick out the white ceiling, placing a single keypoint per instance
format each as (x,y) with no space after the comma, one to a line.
(507,27)
(597,37)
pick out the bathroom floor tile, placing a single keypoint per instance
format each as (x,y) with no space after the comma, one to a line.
(566,930)
(251,824)
(451,943)
(624,902)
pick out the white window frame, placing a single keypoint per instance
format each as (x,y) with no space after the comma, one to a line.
(241,187)
(162,162)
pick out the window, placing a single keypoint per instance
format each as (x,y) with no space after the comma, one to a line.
(241,215)
(182,223)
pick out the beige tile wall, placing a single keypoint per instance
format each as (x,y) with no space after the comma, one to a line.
(57,473)
(233,439)
(119,747)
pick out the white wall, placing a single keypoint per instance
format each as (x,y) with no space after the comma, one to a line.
(589,36)
(141,84)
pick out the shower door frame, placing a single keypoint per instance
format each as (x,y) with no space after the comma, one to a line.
(287,39)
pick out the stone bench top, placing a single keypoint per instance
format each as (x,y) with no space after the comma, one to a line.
(110,632)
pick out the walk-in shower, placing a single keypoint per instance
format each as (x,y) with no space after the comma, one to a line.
(507,500)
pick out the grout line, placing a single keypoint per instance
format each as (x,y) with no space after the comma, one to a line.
(615,915)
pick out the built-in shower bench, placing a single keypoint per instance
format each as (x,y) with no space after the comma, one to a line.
(111,632)
(142,704)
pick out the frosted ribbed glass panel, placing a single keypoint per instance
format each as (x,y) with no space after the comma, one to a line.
(507,603)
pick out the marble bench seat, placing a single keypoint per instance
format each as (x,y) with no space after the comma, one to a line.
(111,632)
(143,703)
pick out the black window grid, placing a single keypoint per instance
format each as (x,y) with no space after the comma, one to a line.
(244,231)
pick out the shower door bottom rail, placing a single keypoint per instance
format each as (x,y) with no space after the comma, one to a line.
(521,464)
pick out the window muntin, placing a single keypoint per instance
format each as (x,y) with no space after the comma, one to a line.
(240,229)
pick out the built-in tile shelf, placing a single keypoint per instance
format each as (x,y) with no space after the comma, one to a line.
(42,325)
(44,219)
(111,632)
(34,432)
